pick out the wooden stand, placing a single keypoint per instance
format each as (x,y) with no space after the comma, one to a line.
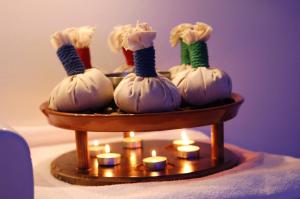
(126,134)
(188,117)
(83,157)
(132,170)
(217,142)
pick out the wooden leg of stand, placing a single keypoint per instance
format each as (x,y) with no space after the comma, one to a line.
(126,134)
(83,157)
(217,142)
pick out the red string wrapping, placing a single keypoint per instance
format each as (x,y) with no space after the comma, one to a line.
(84,54)
(128,56)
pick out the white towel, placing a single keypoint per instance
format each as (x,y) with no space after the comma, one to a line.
(260,175)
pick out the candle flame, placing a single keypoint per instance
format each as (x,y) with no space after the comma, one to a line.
(153,153)
(131,134)
(107,148)
(185,138)
(96,142)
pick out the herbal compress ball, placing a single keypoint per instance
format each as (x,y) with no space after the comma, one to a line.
(116,43)
(175,37)
(145,91)
(81,38)
(201,84)
(82,90)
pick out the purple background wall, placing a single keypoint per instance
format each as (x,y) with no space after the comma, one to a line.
(256,42)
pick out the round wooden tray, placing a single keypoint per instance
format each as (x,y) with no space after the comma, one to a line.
(113,120)
(186,117)
(132,170)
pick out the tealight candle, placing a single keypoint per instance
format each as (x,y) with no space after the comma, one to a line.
(188,152)
(155,163)
(95,149)
(184,140)
(108,158)
(132,142)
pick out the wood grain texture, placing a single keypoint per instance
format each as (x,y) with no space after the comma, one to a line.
(217,142)
(79,169)
(187,117)
(82,150)
(126,134)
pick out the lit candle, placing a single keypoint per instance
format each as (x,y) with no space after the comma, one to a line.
(188,152)
(132,142)
(155,163)
(108,158)
(184,140)
(95,149)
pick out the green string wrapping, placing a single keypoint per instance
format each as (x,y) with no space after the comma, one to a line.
(185,57)
(198,54)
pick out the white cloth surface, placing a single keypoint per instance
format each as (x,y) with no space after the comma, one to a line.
(48,135)
(260,175)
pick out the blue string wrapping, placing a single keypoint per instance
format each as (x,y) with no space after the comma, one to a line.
(70,60)
(144,60)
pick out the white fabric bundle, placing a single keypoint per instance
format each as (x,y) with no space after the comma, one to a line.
(201,85)
(176,33)
(199,32)
(118,35)
(175,37)
(80,37)
(85,91)
(140,37)
(177,69)
(115,42)
(137,94)
(88,91)
(142,93)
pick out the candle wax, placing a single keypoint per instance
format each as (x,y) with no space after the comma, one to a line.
(188,152)
(132,142)
(188,148)
(95,150)
(183,142)
(109,159)
(155,163)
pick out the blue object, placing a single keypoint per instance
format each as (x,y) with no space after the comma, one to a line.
(70,60)
(16,173)
(144,60)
